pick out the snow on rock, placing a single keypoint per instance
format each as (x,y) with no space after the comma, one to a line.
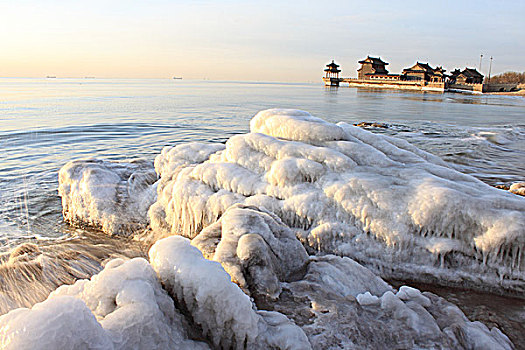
(112,196)
(324,305)
(255,248)
(217,305)
(518,188)
(336,304)
(123,307)
(344,190)
(295,125)
(131,305)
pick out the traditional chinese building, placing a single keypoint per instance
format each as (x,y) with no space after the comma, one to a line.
(439,75)
(420,77)
(423,72)
(332,70)
(453,75)
(372,67)
(467,76)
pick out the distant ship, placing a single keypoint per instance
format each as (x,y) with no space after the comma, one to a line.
(178,78)
(50,77)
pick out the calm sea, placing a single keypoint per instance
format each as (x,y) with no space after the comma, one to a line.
(47,122)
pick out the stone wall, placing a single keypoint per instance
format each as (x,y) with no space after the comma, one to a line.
(467,87)
(500,87)
(399,85)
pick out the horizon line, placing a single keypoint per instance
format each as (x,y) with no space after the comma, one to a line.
(150,78)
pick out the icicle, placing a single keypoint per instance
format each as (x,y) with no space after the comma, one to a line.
(520,250)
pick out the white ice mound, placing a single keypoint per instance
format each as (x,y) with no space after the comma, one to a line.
(224,313)
(293,124)
(112,196)
(57,323)
(348,191)
(123,307)
(168,165)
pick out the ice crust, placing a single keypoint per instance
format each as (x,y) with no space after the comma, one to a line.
(345,190)
(112,196)
(340,304)
(226,315)
(255,248)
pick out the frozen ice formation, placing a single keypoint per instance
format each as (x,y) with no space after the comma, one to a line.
(168,165)
(225,314)
(123,307)
(57,323)
(112,196)
(126,307)
(340,304)
(255,248)
(431,317)
(344,190)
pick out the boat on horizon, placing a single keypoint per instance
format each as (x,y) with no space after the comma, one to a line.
(177,78)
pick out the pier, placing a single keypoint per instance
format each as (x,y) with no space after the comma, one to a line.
(386,84)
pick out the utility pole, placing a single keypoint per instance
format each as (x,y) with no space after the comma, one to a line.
(490,68)
(480,59)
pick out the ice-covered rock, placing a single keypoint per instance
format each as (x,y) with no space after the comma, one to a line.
(123,307)
(344,276)
(255,248)
(112,196)
(293,124)
(218,306)
(344,190)
(340,304)
(518,188)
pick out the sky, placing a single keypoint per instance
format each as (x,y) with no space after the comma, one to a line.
(288,41)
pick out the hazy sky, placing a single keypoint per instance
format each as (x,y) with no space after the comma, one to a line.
(253,40)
